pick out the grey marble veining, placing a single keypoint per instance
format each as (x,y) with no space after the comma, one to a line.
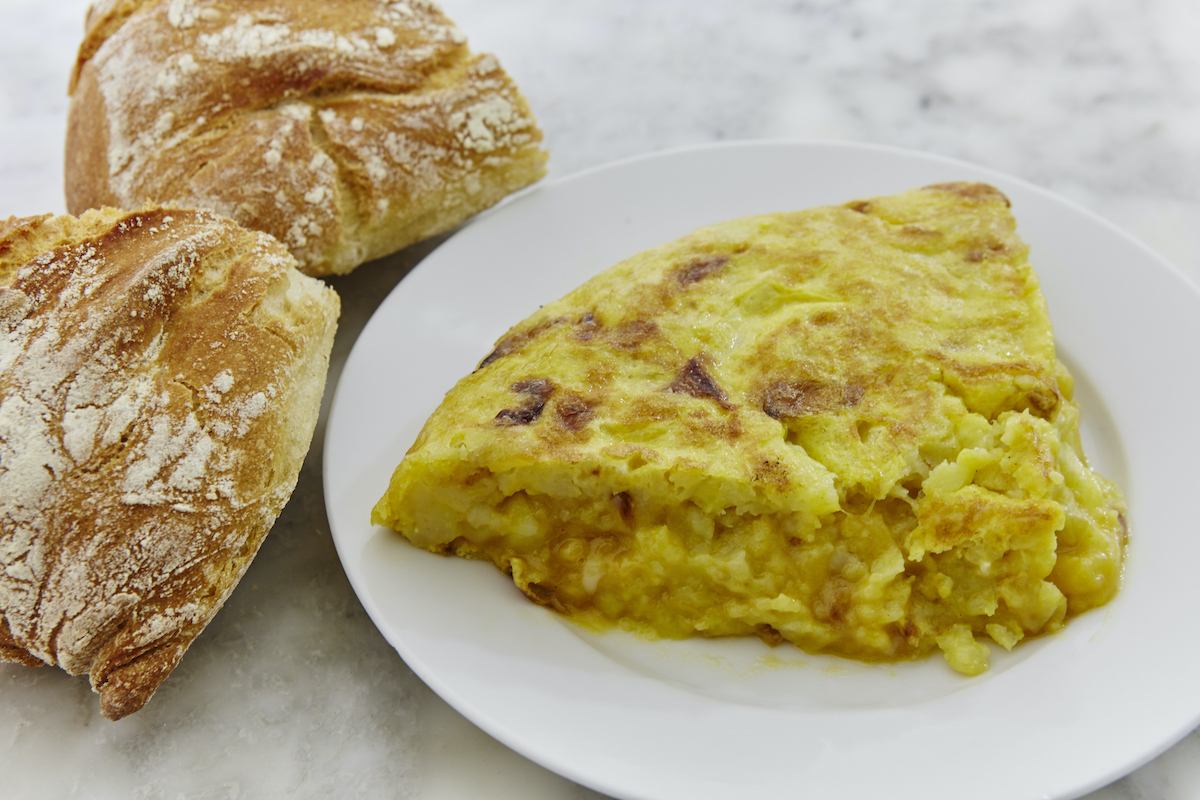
(291,691)
(1097,101)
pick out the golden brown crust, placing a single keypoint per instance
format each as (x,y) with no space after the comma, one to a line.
(347,130)
(160,377)
(103,18)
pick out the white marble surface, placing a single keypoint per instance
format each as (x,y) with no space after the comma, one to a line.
(291,691)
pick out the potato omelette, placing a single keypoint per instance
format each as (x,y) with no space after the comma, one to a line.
(844,427)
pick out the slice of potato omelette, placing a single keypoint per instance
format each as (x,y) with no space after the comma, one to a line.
(844,427)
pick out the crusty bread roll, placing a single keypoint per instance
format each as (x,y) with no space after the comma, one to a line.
(161,372)
(347,130)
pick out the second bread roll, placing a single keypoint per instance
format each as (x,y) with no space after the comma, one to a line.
(347,130)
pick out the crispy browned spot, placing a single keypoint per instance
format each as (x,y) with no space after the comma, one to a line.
(626,335)
(695,380)
(791,399)
(539,388)
(538,593)
(537,393)
(1043,401)
(986,370)
(506,346)
(646,408)
(772,471)
(573,412)
(986,249)
(917,233)
(624,507)
(701,426)
(700,269)
(852,394)
(517,339)
(543,596)
(767,634)
(861,206)
(972,191)
(588,327)
(519,416)
(453,547)
(630,335)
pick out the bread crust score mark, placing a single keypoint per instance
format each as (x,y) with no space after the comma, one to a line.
(160,377)
(346,131)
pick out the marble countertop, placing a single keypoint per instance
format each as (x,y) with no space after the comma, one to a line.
(291,690)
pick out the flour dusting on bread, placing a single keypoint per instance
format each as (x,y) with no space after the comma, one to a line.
(346,130)
(160,377)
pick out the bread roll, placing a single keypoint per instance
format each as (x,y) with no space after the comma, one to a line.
(347,130)
(161,372)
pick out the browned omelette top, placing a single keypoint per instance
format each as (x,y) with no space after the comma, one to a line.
(866,313)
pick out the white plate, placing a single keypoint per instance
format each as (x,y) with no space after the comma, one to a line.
(720,719)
